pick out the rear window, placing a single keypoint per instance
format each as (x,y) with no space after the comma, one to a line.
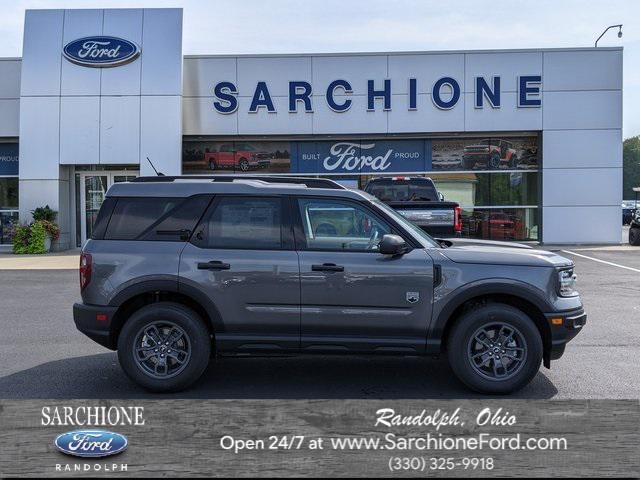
(403,191)
(153,218)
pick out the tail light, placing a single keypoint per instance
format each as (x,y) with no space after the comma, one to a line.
(85,270)
(457,220)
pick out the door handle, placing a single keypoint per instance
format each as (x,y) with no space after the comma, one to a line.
(327,267)
(213,265)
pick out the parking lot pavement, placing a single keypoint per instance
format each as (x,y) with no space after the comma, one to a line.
(43,356)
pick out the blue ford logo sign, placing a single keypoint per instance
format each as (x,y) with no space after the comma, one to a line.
(91,443)
(101,51)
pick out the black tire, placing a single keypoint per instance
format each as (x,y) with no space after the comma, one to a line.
(513,162)
(494,161)
(634,236)
(460,343)
(244,164)
(195,335)
(212,165)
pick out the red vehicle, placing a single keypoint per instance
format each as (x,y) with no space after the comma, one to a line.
(491,152)
(242,157)
(499,226)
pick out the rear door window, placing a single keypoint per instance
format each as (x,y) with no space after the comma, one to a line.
(156,219)
(248,223)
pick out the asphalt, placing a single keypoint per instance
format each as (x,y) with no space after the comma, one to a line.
(43,356)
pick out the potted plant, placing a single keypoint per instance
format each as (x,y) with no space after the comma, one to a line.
(44,219)
(36,237)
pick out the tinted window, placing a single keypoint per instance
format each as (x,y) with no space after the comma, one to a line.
(403,190)
(132,217)
(100,225)
(340,225)
(245,223)
(177,224)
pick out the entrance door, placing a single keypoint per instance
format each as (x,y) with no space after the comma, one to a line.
(93,188)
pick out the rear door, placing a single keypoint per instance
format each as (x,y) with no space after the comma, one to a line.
(242,256)
(353,298)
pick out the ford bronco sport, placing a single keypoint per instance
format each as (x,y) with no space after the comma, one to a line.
(182,269)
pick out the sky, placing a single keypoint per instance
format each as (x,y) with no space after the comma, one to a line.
(326,26)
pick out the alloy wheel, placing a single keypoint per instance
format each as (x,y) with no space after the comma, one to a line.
(497,351)
(162,349)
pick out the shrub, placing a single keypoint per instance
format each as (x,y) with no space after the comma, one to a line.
(21,237)
(44,213)
(31,238)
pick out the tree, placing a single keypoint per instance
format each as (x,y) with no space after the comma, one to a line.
(630,167)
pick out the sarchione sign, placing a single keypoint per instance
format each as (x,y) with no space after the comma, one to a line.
(445,94)
(101,51)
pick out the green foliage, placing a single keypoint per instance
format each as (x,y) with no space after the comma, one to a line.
(631,167)
(32,238)
(21,236)
(37,239)
(44,213)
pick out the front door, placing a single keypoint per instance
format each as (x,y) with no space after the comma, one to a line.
(241,256)
(93,188)
(352,297)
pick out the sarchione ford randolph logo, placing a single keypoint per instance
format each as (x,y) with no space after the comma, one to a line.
(91,443)
(101,51)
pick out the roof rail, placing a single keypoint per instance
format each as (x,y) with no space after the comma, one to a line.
(309,182)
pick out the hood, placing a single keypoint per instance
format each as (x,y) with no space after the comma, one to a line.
(504,255)
(462,242)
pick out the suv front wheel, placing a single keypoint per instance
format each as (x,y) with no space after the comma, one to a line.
(164,347)
(495,349)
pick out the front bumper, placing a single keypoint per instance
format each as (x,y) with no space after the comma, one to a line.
(95,322)
(564,327)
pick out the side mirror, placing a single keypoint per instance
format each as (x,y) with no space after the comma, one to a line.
(392,245)
(441,196)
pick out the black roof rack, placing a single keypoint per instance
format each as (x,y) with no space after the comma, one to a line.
(309,182)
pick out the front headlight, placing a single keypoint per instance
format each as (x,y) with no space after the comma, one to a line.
(566,283)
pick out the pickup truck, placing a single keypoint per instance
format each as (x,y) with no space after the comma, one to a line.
(418,200)
(240,156)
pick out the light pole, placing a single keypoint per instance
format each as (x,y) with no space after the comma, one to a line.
(607,29)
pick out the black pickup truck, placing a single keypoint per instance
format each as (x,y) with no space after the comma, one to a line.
(418,200)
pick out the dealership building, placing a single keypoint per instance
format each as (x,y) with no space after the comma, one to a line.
(528,142)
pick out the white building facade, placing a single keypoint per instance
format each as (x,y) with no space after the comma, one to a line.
(529,142)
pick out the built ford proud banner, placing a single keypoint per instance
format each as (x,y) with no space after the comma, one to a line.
(359,157)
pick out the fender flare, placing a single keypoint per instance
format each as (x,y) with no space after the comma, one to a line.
(513,288)
(172,285)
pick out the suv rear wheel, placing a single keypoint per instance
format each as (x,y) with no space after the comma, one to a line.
(164,347)
(495,349)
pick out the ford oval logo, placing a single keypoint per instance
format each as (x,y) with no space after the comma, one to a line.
(101,51)
(91,443)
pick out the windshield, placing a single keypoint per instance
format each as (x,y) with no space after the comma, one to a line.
(423,237)
(399,191)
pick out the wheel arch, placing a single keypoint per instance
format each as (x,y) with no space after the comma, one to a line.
(522,297)
(136,296)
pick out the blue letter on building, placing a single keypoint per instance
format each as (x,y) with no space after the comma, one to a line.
(372,94)
(299,91)
(226,92)
(529,86)
(413,94)
(330,100)
(491,93)
(261,98)
(455,96)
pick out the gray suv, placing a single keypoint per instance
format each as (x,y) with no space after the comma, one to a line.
(181,269)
